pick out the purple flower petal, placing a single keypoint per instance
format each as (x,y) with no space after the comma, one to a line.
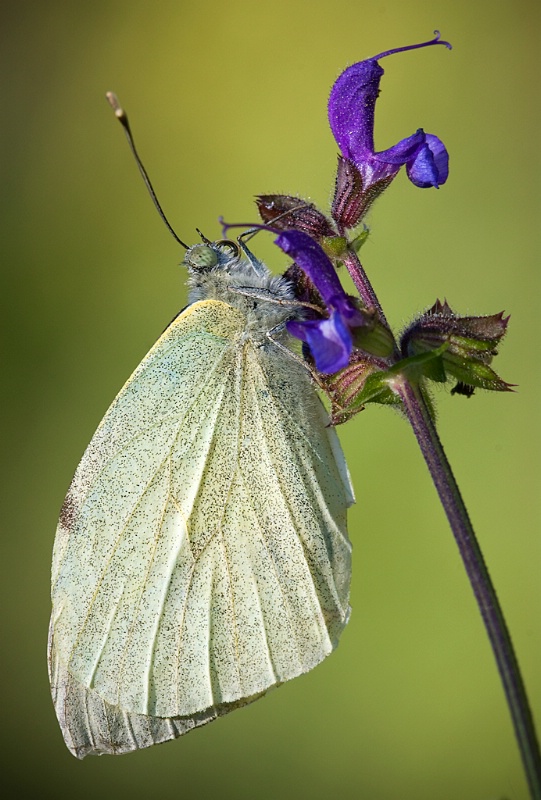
(311,258)
(404,150)
(430,167)
(329,341)
(351,110)
(347,310)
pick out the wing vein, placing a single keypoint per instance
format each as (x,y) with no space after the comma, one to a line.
(111,555)
(287,604)
(208,375)
(137,605)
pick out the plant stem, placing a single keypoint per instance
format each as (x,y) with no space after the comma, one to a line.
(483,589)
(362,284)
(440,470)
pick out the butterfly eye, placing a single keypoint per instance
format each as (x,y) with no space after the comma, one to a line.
(201,256)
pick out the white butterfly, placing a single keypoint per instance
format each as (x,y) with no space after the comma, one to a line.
(201,556)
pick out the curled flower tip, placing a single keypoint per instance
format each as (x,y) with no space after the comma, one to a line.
(436,40)
(448,45)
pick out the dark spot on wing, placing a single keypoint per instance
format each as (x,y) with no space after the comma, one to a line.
(68,512)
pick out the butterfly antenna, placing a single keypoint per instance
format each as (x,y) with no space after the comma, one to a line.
(122,117)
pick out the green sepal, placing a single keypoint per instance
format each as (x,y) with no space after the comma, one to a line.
(374,390)
(423,365)
(474,373)
(334,246)
(452,362)
(362,382)
(360,239)
(374,337)
(378,342)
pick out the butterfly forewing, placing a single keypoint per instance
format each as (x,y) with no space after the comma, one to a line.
(202,556)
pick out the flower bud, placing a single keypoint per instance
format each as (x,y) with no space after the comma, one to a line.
(465,345)
(346,389)
(284,212)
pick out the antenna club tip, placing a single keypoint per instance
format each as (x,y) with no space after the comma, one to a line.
(113,101)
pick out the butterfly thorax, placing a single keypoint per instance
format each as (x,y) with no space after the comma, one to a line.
(257,293)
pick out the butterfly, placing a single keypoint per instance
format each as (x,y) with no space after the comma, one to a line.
(201,556)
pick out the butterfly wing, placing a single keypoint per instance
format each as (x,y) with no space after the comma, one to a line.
(201,555)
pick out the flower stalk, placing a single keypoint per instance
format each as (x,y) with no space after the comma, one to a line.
(357,357)
(359,277)
(421,420)
(440,470)
(424,429)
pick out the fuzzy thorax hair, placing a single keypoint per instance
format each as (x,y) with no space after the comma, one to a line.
(226,280)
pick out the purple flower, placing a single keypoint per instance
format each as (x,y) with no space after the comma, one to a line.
(351,116)
(330,338)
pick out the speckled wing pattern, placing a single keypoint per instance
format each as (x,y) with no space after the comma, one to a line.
(201,555)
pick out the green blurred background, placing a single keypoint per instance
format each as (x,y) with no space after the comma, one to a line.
(228,99)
